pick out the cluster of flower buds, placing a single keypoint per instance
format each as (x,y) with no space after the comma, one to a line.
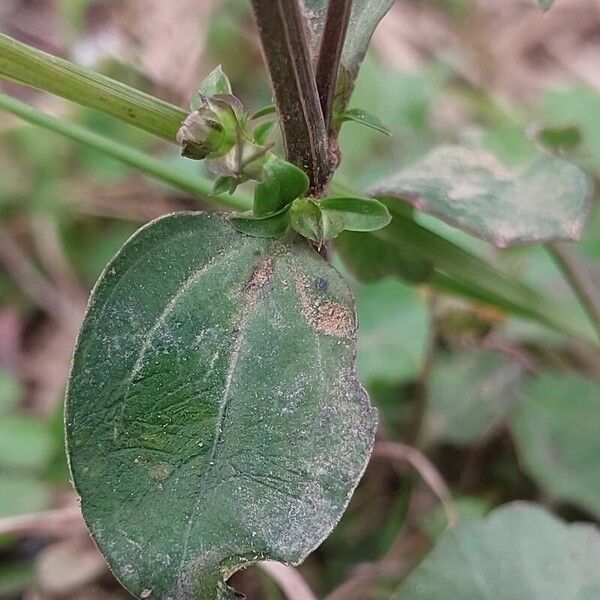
(217,130)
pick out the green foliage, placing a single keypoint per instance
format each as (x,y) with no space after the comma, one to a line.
(357,115)
(394,332)
(556,429)
(470,392)
(214,445)
(518,552)
(473,191)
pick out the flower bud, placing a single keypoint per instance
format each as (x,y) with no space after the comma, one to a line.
(212,130)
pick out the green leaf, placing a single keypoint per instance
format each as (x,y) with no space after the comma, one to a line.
(556,429)
(224,184)
(366,15)
(263,132)
(264,112)
(215,83)
(519,552)
(357,214)
(394,332)
(472,190)
(560,138)
(213,415)
(306,219)
(470,392)
(265,227)
(282,183)
(408,250)
(546,4)
(363,117)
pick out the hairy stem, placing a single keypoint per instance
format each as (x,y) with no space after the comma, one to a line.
(283,37)
(580,280)
(32,67)
(330,54)
(190,183)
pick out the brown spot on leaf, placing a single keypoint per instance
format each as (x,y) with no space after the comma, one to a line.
(262,275)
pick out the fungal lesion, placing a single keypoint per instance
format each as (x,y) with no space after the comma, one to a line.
(262,275)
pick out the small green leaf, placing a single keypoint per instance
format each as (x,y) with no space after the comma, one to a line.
(473,191)
(224,184)
(213,416)
(357,214)
(560,138)
(282,183)
(556,428)
(363,117)
(306,219)
(263,112)
(23,494)
(25,444)
(215,83)
(469,393)
(263,132)
(518,552)
(546,4)
(264,227)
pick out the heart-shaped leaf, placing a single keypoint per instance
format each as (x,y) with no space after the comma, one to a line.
(213,414)
(473,191)
(556,429)
(519,552)
(282,183)
(366,15)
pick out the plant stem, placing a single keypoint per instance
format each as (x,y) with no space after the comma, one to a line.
(283,36)
(580,280)
(192,184)
(32,67)
(330,54)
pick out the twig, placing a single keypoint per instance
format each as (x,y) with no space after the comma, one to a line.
(330,54)
(289,580)
(431,476)
(580,280)
(285,46)
(32,282)
(52,522)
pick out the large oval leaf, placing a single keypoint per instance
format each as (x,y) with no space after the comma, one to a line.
(557,429)
(214,417)
(519,552)
(470,189)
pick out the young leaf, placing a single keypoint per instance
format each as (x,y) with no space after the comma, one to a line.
(213,415)
(518,552)
(282,183)
(271,109)
(558,440)
(215,83)
(363,117)
(263,132)
(306,219)
(265,227)
(473,191)
(366,15)
(357,214)
(224,184)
